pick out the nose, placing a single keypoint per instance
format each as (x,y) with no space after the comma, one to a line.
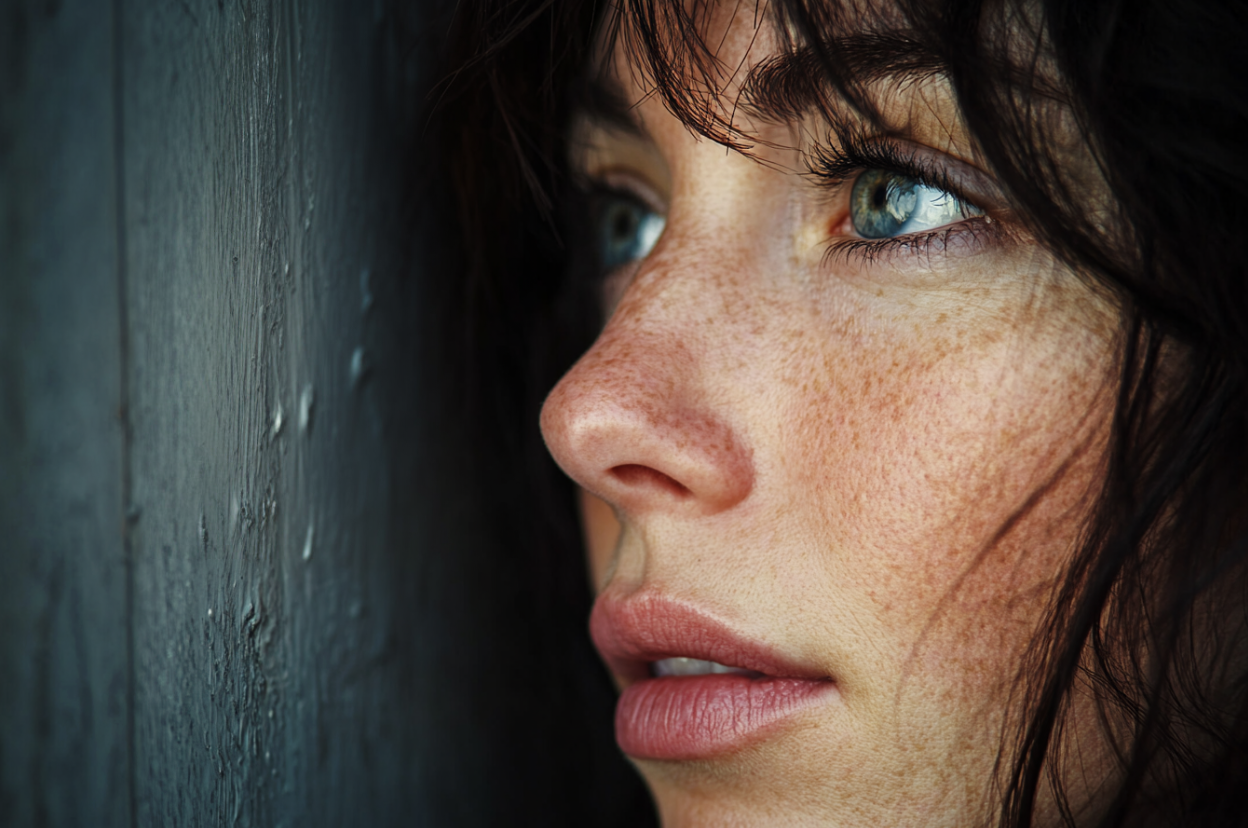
(634,423)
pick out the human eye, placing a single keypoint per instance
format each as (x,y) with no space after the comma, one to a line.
(884,204)
(625,228)
(903,199)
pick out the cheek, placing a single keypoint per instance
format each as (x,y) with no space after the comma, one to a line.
(947,480)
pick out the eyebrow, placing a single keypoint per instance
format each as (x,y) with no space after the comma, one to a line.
(600,97)
(787,86)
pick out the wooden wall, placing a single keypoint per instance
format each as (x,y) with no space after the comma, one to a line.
(237,552)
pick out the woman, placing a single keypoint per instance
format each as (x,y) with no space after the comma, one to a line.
(909,446)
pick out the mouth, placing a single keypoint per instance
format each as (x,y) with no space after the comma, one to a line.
(693,688)
(682,666)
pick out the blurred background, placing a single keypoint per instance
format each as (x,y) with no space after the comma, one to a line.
(244,579)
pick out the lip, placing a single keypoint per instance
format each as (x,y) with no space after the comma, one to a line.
(695,717)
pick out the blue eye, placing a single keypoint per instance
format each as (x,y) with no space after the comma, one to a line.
(883,204)
(627,230)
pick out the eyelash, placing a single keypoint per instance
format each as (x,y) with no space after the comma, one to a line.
(836,163)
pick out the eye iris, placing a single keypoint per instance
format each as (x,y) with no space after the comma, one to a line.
(623,222)
(629,231)
(882,202)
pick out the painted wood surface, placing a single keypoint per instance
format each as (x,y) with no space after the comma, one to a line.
(64,691)
(237,557)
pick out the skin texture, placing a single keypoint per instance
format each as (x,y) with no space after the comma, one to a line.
(875,464)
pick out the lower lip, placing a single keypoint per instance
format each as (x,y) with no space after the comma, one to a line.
(699,717)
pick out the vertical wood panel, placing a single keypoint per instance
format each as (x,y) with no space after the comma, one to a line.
(64,692)
(301,636)
(302,591)
(204,214)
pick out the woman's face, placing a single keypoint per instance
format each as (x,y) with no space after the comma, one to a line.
(840,435)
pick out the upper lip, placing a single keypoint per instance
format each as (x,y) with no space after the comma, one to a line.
(633,632)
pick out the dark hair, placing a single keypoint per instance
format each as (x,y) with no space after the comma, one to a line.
(1152,613)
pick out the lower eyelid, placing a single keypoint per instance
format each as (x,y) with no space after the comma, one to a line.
(965,238)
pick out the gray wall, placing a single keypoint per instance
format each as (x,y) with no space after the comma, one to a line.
(235,562)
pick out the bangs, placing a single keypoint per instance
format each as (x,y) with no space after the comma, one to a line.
(822,57)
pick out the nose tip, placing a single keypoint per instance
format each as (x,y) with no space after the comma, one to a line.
(636,437)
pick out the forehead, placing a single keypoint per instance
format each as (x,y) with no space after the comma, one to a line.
(733,71)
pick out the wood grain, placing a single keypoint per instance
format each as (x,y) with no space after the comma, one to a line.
(237,554)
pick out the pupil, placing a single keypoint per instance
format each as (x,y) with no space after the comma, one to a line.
(879,196)
(624,224)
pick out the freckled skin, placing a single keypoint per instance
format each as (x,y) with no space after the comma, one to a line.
(825,453)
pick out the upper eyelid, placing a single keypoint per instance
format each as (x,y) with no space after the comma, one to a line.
(591,132)
(626,182)
(931,166)
(603,154)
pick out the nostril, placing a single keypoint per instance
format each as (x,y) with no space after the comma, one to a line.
(633,475)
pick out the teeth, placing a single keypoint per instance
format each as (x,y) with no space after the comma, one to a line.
(694,667)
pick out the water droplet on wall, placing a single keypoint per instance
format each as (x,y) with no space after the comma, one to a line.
(359,365)
(307,399)
(279,418)
(307,543)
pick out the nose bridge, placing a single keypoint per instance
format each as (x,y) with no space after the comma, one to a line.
(636,420)
(691,290)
